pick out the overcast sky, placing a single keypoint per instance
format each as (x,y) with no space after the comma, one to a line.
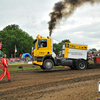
(32,16)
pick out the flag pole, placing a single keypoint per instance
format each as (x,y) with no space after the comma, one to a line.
(15,51)
(15,54)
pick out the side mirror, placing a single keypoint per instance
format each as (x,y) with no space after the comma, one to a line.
(33,48)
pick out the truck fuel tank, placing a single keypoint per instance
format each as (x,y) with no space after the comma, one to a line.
(64,62)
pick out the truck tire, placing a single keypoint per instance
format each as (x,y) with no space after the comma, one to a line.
(48,64)
(81,65)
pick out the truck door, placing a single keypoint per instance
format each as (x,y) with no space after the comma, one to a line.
(42,48)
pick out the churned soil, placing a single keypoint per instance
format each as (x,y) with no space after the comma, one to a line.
(24,65)
(56,84)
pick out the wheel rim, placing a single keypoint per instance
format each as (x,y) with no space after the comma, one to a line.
(82,65)
(48,64)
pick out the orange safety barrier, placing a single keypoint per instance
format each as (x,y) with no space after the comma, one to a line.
(98,60)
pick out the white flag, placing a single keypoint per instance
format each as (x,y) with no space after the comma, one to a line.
(15,49)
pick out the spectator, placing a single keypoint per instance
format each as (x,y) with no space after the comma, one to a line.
(5,69)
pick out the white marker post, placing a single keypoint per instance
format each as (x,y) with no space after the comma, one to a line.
(98,98)
(99,86)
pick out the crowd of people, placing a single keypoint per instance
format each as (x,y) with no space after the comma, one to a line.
(18,59)
(92,55)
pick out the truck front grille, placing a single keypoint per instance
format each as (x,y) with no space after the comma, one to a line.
(39,59)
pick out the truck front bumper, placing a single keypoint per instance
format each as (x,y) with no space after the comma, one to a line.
(37,63)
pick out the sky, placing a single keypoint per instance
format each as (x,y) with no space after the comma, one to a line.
(32,16)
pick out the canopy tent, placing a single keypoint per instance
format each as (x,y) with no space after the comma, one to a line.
(25,54)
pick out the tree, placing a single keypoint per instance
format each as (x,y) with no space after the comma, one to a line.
(11,27)
(12,35)
(58,47)
(94,49)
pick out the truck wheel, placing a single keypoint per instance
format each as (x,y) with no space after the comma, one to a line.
(81,65)
(42,67)
(48,64)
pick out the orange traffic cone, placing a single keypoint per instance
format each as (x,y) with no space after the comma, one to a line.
(66,67)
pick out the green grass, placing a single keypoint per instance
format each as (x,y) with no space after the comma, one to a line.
(25,68)
(92,63)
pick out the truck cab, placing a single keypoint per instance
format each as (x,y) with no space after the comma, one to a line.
(42,51)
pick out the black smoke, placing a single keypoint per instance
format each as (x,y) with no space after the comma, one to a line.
(65,9)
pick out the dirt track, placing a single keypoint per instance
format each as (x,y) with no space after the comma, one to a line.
(57,84)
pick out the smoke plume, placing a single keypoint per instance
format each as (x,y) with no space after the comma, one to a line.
(65,9)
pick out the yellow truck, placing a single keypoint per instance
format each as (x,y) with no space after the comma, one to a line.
(73,55)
